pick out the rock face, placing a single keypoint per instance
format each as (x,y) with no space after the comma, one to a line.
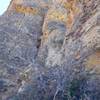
(50,50)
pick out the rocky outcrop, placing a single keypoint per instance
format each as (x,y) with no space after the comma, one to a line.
(50,50)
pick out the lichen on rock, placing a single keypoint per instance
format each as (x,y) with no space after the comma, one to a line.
(50,50)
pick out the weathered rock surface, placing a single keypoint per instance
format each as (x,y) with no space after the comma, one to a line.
(50,50)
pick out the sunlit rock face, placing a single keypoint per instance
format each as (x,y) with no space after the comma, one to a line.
(50,50)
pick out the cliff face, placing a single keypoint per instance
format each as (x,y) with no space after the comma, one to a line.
(50,50)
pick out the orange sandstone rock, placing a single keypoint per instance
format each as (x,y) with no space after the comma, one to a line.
(25,10)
